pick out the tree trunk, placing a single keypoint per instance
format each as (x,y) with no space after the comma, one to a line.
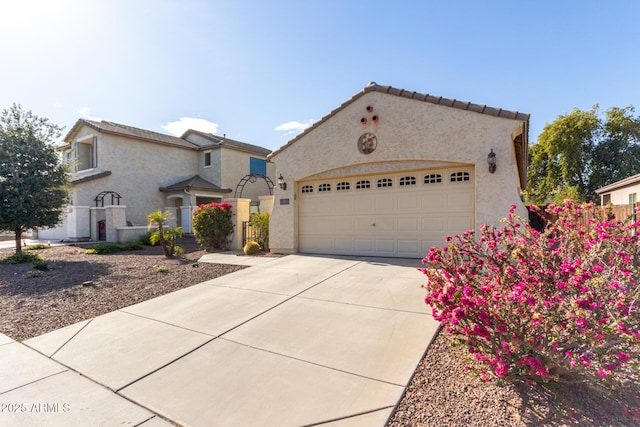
(18,232)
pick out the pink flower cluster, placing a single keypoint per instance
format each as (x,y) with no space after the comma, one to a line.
(542,306)
(222,206)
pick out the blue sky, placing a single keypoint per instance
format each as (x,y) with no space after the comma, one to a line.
(259,71)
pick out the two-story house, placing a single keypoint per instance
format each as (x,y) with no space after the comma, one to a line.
(142,171)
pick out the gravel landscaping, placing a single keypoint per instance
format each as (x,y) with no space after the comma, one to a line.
(79,286)
(442,392)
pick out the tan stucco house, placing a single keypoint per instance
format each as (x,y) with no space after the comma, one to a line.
(391,172)
(121,173)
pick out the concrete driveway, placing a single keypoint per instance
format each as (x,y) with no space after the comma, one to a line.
(292,341)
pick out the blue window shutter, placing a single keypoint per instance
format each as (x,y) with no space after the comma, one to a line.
(257,166)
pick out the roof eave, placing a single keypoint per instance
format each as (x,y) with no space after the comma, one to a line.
(438,100)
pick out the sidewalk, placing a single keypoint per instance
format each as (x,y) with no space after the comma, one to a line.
(292,341)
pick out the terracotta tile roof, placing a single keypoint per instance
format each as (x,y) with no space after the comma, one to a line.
(131,132)
(438,100)
(223,141)
(196,182)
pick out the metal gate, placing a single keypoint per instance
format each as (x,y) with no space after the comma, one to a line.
(249,233)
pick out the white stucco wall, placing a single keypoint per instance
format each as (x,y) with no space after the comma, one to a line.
(138,170)
(410,134)
(621,196)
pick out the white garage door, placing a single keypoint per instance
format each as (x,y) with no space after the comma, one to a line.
(395,215)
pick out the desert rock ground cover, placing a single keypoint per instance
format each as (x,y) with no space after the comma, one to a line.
(442,392)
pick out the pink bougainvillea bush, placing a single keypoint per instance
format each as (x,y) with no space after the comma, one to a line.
(213,225)
(559,305)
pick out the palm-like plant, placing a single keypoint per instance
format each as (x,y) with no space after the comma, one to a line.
(165,236)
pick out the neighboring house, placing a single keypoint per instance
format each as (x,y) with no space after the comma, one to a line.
(392,172)
(115,164)
(623,192)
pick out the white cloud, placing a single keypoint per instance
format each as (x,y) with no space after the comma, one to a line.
(183,124)
(84,113)
(293,127)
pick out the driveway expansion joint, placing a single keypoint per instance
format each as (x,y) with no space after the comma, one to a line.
(313,363)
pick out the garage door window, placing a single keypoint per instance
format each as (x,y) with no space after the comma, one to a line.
(385,183)
(324,188)
(363,184)
(341,186)
(407,180)
(307,189)
(433,178)
(460,176)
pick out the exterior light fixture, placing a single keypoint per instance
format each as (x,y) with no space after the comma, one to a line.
(491,159)
(281,183)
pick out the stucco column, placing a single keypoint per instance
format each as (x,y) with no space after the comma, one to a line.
(266,203)
(115,216)
(240,210)
(283,222)
(95,215)
(187,218)
(79,223)
(172,222)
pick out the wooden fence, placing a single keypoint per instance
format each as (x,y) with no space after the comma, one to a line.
(620,212)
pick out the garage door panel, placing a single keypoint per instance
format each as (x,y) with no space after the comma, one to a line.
(315,205)
(320,225)
(384,203)
(363,246)
(316,243)
(459,200)
(459,224)
(343,245)
(433,224)
(433,202)
(408,219)
(385,246)
(385,225)
(343,226)
(342,204)
(362,204)
(363,225)
(408,202)
(408,224)
(408,247)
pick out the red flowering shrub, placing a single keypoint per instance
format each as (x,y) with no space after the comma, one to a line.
(213,225)
(553,306)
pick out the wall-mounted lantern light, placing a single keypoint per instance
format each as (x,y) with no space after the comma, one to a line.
(491,159)
(281,183)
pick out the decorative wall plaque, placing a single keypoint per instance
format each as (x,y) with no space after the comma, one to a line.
(367,143)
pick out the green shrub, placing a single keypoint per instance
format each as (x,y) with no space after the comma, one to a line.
(260,222)
(38,246)
(162,269)
(40,265)
(213,225)
(132,247)
(145,239)
(105,248)
(251,248)
(21,258)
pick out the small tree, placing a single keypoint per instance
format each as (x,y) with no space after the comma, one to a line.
(213,225)
(260,222)
(165,236)
(32,176)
